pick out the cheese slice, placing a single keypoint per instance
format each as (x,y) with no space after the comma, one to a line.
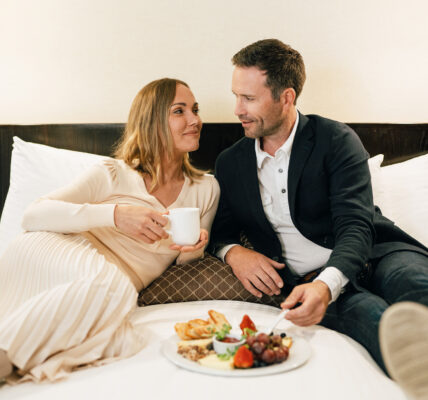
(197,342)
(287,341)
(212,361)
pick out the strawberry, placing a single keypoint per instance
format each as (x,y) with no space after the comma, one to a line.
(246,323)
(243,358)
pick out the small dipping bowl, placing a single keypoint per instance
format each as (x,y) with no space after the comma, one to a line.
(222,347)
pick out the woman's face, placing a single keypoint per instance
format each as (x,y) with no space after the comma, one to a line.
(184,121)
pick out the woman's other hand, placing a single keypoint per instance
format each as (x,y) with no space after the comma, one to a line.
(203,240)
(140,222)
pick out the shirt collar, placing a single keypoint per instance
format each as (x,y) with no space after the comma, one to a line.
(286,146)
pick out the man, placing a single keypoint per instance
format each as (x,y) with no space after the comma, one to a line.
(299,188)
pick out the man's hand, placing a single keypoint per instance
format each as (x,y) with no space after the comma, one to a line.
(314,297)
(255,271)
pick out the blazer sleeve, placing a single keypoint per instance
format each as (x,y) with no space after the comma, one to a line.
(226,228)
(351,203)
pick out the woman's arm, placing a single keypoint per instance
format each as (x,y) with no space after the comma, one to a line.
(75,207)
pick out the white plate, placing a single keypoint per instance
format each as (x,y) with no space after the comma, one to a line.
(299,353)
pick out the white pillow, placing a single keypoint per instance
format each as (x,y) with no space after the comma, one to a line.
(375,172)
(405,196)
(36,170)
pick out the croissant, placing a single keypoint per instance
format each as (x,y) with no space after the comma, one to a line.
(199,328)
(218,319)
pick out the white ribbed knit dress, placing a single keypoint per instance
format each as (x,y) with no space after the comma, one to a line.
(69,286)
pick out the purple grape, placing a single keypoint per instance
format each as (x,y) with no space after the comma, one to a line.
(268,356)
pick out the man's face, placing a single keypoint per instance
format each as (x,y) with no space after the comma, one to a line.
(255,107)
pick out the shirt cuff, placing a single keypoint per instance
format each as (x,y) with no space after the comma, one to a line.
(221,254)
(335,280)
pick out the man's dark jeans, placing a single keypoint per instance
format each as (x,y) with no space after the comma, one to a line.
(399,276)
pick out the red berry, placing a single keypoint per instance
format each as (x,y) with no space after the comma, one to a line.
(243,358)
(247,323)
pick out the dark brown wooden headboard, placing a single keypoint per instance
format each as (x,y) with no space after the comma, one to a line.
(397,142)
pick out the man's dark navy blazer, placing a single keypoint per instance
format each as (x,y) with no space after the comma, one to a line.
(329,194)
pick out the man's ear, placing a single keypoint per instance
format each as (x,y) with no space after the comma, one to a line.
(288,96)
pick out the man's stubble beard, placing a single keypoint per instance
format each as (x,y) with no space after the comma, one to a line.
(261,131)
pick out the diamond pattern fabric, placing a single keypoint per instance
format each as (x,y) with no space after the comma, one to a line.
(205,279)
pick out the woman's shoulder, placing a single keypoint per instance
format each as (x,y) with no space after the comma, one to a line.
(206,179)
(116,168)
(116,173)
(207,183)
(113,163)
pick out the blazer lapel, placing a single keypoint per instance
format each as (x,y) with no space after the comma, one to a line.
(248,173)
(302,147)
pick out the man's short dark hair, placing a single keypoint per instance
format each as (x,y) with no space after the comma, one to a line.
(282,64)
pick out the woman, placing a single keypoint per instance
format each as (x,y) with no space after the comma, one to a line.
(69,285)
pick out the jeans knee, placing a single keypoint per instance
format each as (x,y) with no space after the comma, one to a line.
(365,305)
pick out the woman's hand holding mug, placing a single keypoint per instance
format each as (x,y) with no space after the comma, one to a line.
(140,222)
(186,232)
(203,240)
(148,225)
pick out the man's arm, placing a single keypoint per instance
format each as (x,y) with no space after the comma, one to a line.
(256,272)
(351,204)
(351,209)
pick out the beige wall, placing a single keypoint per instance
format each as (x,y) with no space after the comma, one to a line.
(84,60)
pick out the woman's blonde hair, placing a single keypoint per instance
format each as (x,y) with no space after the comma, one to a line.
(147,137)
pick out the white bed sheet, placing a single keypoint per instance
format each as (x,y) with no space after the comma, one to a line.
(338,368)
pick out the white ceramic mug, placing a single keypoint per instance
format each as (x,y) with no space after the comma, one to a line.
(185,225)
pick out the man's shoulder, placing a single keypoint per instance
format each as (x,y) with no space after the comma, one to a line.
(333,135)
(322,123)
(330,130)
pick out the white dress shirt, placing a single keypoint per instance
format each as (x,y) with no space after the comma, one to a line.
(301,255)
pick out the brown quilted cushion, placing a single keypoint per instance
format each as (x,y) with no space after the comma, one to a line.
(206,279)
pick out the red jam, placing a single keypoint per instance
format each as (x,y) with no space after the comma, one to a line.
(228,339)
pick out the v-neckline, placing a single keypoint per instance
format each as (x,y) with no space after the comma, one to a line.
(170,206)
